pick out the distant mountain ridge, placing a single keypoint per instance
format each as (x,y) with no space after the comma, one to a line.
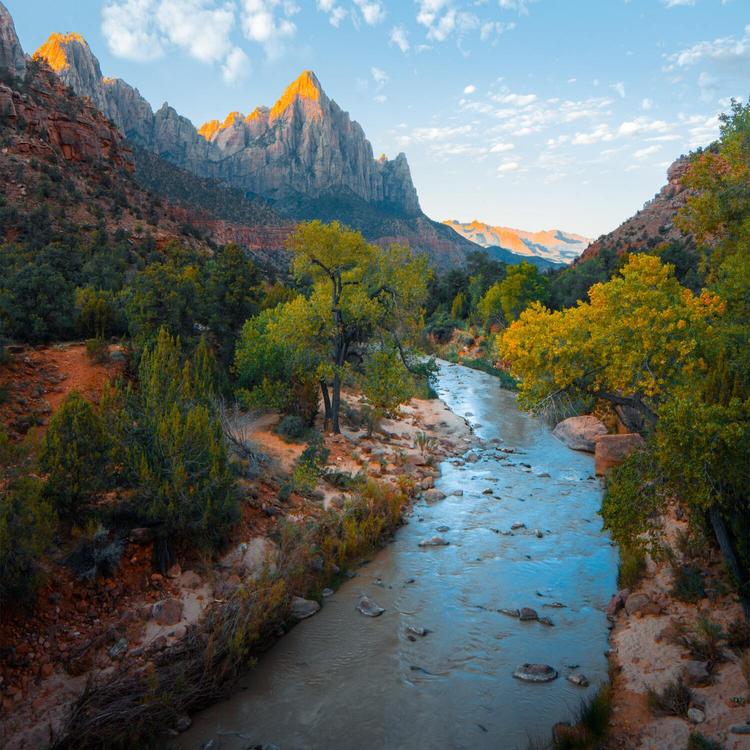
(553,246)
(304,155)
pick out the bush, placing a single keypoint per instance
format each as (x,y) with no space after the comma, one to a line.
(97,350)
(74,454)
(27,523)
(632,567)
(292,428)
(738,635)
(697,741)
(688,584)
(674,700)
(96,556)
(310,465)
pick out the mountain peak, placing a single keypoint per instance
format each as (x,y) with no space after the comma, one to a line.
(59,50)
(12,57)
(306,88)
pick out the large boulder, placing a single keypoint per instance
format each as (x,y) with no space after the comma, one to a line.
(580,433)
(167,611)
(612,450)
(304,608)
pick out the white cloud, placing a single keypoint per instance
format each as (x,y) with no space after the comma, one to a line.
(201,30)
(144,30)
(644,153)
(647,104)
(500,148)
(372,11)
(380,98)
(619,88)
(128,29)
(336,14)
(236,66)
(677,3)
(400,37)
(470,89)
(439,133)
(509,166)
(379,76)
(519,5)
(268,22)
(722,50)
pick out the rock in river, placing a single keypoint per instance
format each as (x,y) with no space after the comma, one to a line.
(369,608)
(435,541)
(433,495)
(535,673)
(527,613)
(303,608)
(578,679)
(580,433)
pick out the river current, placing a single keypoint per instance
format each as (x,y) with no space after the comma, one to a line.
(344,681)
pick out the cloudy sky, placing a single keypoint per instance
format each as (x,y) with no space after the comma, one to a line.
(528,113)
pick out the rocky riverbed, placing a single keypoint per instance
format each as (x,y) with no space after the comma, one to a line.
(510,526)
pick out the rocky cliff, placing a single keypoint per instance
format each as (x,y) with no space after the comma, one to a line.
(12,58)
(305,144)
(653,224)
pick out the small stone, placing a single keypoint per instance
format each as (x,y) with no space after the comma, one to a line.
(538,533)
(443,529)
(167,611)
(517,525)
(740,729)
(414,630)
(527,614)
(435,541)
(369,608)
(458,493)
(183,723)
(547,621)
(488,491)
(535,673)
(326,592)
(433,495)
(578,679)
(303,608)
(119,648)
(509,612)
(696,716)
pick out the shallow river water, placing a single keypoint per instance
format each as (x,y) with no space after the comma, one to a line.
(341,680)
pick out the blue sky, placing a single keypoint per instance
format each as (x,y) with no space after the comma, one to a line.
(527,113)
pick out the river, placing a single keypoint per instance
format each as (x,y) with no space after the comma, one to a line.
(345,681)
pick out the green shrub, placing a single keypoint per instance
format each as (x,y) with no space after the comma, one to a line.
(292,428)
(310,465)
(97,350)
(673,700)
(73,455)
(687,585)
(27,523)
(738,635)
(697,741)
(632,567)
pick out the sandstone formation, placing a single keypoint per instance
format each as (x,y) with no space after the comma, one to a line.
(580,433)
(612,450)
(12,58)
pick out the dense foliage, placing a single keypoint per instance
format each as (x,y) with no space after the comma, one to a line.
(676,358)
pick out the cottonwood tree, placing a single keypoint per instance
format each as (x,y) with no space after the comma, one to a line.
(362,299)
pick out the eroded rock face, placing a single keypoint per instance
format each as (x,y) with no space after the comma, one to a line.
(304,144)
(580,433)
(612,450)
(12,58)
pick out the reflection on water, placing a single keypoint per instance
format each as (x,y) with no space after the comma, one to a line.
(340,680)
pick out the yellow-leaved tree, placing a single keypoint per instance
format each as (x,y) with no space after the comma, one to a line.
(638,336)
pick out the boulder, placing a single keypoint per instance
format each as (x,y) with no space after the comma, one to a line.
(696,716)
(578,679)
(535,673)
(696,674)
(252,557)
(167,611)
(435,541)
(369,608)
(580,433)
(617,602)
(303,608)
(612,450)
(190,580)
(433,495)
(641,604)
(526,614)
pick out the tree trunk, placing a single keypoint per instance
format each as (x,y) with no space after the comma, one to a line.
(326,405)
(336,401)
(727,549)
